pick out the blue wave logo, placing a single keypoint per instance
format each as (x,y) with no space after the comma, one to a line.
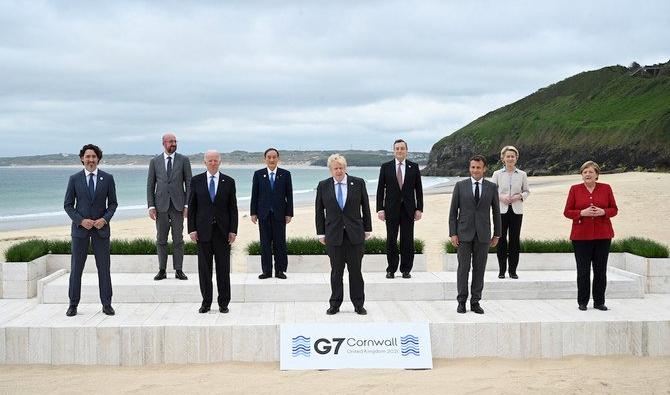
(300,346)
(409,345)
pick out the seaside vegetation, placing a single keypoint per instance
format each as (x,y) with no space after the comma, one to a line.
(32,249)
(634,245)
(312,246)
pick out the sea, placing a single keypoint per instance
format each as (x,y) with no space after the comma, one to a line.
(32,196)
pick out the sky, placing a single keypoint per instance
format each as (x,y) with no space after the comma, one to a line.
(322,75)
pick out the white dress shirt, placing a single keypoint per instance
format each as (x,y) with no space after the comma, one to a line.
(95,178)
(216,181)
(481,186)
(402,164)
(344,193)
(165,157)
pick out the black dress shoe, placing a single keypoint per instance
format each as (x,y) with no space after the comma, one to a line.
(223,310)
(476,308)
(390,275)
(280,275)
(514,276)
(406,275)
(582,307)
(461,308)
(263,276)
(501,276)
(180,275)
(71,311)
(108,310)
(332,310)
(160,276)
(600,307)
(203,309)
(361,310)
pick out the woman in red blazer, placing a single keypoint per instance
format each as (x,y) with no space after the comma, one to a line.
(590,205)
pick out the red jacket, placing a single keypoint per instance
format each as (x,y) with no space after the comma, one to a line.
(590,228)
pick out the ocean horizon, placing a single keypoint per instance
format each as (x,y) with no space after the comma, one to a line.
(32,196)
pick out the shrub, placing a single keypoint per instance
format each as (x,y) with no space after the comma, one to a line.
(312,246)
(634,245)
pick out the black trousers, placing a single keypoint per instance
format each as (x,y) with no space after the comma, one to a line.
(591,253)
(406,225)
(219,249)
(351,255)
(273,239)
(102,262)
(508,252)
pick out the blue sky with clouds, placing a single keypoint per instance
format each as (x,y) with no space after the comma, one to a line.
(296,75)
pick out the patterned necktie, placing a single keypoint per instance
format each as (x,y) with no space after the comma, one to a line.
(91,186)
(340,196)
(272,180)
(169,167)
(477,192)
(212,188)
(398,175)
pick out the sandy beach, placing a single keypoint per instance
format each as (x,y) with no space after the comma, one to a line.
(643,211)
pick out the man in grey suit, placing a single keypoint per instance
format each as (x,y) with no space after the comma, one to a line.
(472,203)
(343,222)
(90,201)
(168,185)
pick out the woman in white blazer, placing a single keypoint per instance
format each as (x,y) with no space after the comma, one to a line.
(513,191)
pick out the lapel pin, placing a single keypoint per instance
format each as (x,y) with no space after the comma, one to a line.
(101,178)
(352,183)
(265,175)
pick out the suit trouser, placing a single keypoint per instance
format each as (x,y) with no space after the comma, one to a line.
(471,253)
(172,219)
(587,253)
(351,255)
(406,225)
(219,249)
(509,252)
(273,237)
(102,262)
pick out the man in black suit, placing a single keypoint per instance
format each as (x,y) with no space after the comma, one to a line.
(399,204)
(212,223)
(272,209)
(343,223)
(90,201)
(474,203)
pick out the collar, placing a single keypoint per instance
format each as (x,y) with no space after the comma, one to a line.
(88,173)
(344,180)
(504,169)
(481,180)
(166,155)
(209,175)
(276,170)
(397,162)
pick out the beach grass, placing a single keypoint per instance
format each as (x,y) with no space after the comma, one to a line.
(634,245)
(312,246)
(32,249)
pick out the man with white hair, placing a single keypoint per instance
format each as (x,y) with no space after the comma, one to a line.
(343,223)
(212,223)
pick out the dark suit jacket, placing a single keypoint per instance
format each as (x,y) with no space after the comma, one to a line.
(467,218)
(161,190)
(355,218)
(79,206)
(278,200)
(202,212)
(389,195)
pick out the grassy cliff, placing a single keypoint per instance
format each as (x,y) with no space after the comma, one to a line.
(620,120)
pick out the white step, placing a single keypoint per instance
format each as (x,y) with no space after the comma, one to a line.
(157,333)
(534,262)
(305,287)
(321,263)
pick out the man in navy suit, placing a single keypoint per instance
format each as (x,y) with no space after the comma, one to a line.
(399,204)
(90,201)
(272,209)
(343,222)
(212,223)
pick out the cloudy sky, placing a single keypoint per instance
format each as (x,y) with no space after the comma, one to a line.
(296,75)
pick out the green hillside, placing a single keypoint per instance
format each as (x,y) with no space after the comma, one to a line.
(619,118)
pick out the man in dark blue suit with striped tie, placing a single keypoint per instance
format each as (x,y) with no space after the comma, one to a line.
(90,201)
(272,209)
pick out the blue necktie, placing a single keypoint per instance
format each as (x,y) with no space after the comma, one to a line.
(169,167)
(272,181)
(91,186)
(340,196)
(212,188)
